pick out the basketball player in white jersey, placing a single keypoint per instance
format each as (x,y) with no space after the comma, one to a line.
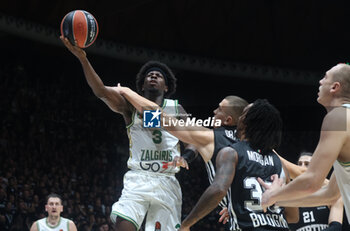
(150,186)
(333,149)
(54,221)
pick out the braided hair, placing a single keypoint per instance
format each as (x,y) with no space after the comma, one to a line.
(263,126)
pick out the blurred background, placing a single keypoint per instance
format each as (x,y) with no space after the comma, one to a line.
(57,136)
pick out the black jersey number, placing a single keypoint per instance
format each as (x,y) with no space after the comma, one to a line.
(157,136)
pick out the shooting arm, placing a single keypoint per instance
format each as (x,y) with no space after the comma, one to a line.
(109,95)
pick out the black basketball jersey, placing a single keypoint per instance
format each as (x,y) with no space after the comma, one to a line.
(223,137)
(311,218)
(246,190)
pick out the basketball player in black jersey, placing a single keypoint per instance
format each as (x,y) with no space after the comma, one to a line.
(320,217)
(239,166)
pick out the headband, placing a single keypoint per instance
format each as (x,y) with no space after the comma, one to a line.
(160,71)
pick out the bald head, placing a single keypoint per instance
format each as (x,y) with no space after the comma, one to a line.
(236,105)
(341,74)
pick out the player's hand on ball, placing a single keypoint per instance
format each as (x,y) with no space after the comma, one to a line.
(78,52)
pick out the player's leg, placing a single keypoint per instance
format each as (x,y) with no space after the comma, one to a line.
(165,209)
(124,225)
(129,211)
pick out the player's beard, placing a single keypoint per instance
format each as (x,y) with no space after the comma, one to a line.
(154,91)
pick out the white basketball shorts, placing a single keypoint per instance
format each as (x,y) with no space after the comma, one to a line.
(158,195)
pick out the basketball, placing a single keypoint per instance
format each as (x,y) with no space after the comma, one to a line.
(80,27)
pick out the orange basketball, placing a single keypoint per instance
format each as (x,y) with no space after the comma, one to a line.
(80,27)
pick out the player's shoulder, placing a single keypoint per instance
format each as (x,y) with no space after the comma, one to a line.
(227,153)
(72,226)
(336,112)
(335,120)
(34,226)
(240,145)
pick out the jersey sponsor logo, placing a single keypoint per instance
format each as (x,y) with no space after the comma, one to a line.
(314,227)
(149,155)
(154,166)
(158,226)
(151,118)
(273,220)
(263,160)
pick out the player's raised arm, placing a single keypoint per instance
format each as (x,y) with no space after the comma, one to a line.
(108,94)
(293,169)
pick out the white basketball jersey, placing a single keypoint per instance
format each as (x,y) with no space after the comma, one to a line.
(63,225)
(152,148)
(342,173)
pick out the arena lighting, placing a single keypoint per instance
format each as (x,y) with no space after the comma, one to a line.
(37,32)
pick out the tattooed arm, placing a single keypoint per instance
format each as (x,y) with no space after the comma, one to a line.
(226,166)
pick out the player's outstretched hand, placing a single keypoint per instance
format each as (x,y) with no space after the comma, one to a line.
(266,199)
(78,52)
(179,161)
(224,218)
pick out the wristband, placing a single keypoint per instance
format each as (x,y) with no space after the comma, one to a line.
(189,155)
(334,226)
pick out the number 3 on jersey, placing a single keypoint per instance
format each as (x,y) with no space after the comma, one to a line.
(256,191)
(157,136)
(255,194)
